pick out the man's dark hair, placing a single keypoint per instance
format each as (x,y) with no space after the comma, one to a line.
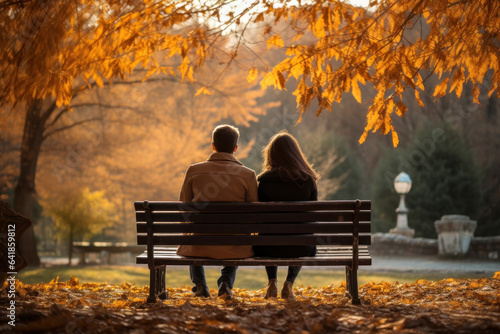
(225,138)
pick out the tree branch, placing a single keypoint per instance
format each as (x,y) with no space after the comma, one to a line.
(63,128)
(88,104)
(109,106)
(92,85)
(63,111)
(46,114)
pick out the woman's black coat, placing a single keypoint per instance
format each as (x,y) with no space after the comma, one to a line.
(272,187)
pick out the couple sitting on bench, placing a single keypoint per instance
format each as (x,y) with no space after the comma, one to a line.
(286,176)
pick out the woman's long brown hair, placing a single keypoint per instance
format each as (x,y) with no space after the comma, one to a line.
(284,154)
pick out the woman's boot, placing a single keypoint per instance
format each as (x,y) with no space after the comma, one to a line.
(287,291)
(272,289)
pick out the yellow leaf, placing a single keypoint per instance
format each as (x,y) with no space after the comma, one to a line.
(274,78)
(440,89)
(59,100)
(184,67)
(252,75)
(98,80)
(417,96)
(457,82)
(475,94)
(275,41)
(118,304)
(190,74)
(494,86)
(356,92)
(73,281)
(363,137)
(420,82)
(395,139)
(152,70)
(475,285)
(204,91)
(400,109)
(319,27)
(297,68)
(267,80)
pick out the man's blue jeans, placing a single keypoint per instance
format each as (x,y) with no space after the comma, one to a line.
(227,274)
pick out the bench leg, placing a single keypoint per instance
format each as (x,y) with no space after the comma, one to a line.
(160,272)
(152,286)
(348,281)
(351,276)
(157,284)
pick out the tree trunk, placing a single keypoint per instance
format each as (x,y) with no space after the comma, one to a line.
(24,192)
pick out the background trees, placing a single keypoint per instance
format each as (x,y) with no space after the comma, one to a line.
(80,213)
(395,57)
(445,178)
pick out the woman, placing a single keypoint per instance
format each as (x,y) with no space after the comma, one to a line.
(286,176)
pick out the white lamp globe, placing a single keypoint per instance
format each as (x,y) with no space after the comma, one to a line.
(402,183)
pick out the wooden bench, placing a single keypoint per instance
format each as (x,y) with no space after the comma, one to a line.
(341,232)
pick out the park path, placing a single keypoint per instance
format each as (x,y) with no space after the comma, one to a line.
(433,264)
(391,264)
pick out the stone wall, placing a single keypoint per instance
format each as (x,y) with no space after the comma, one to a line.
(393,244)
(390,244)
(485,248)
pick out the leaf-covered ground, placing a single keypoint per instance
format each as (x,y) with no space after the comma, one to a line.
(447,306)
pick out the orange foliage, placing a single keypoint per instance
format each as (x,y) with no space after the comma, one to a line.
(389,45)
(46,45)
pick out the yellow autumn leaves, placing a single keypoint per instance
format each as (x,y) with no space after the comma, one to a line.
(450,305)
(331,49)
(390,46)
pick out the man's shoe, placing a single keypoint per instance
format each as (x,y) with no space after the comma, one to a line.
(225,291)
(272,289)
(287,291)
(201,290)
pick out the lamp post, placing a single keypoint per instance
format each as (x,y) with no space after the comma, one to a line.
(402,184)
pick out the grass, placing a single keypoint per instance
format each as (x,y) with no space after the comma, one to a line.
(248,278)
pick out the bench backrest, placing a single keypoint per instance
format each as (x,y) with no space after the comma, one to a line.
(231,223)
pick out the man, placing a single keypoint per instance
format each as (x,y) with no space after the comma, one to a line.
(221,178)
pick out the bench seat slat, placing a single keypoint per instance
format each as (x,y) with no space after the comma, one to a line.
(320,249)
(333,258)
(254,240)
(319,254)
(259,262)
(338,227)
(253,207)
(343,252)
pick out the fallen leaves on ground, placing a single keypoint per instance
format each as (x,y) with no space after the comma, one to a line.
(452,305)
